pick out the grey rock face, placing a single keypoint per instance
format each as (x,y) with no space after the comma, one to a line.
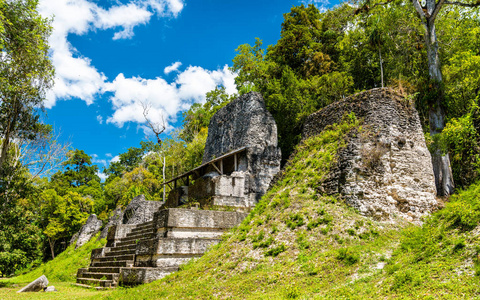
(37,285)
(245,122)
(386,168)
(74,238)
(91,228)
(140,210)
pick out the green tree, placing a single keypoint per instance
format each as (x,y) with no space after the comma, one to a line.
(25,72)
(62,216)
(296,76)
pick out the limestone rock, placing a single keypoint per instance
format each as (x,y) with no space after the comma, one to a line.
(91,228)
(37,285)
(386,168)
(140,210)
(74,238)
(51,289)
(115,219)
(245,122)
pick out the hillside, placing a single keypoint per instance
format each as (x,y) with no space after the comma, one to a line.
(300,244)
(297,243)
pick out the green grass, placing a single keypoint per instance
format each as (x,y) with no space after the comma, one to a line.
(61,272)
(300,244)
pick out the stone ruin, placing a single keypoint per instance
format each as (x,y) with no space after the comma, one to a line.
(241,157)
(386,169)
(150,239)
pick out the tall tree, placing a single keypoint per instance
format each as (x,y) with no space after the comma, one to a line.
(25,71)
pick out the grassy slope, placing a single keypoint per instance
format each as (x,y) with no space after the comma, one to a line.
(61,273)
(298,244)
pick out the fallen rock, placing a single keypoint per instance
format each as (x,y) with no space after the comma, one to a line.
(51,289)
(37,285)
(91,227)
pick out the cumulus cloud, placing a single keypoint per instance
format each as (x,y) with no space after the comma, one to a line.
(102,176)
(97,160)
(115,158)
(164,99)
(172,67)
(75,76)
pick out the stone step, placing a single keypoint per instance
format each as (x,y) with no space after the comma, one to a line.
(123,248)
(145,225)
(96,282)
(134,232)
(89,286)
(117,258)
(116,252)
(112,264)
(135,238)
(127,243)
(103,276)
(104,269)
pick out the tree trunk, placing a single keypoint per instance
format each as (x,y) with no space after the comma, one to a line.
(381,64)
(52,246)
(441,163)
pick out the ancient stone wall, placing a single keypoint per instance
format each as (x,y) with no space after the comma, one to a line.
(386,168)
(245,122)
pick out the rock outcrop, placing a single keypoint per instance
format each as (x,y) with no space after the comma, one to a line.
(91,228)
(245,122)
(140,210)
(386,168)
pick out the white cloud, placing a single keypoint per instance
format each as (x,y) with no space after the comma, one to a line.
(75,76)
(96,160)
(102,176)
(164,99)
(115,159)
(172,67)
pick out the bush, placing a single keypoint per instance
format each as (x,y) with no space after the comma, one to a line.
(348,255)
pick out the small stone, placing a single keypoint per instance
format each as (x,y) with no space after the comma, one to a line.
(51,289)
(37,285)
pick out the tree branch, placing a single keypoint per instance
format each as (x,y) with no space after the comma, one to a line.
(438,6)
(365,8)
(419,9)
(477,4)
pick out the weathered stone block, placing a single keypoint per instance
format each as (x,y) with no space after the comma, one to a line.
(37,285)
(245,122)
(386,168)
(91,228)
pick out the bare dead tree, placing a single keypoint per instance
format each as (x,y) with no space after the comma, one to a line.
(157,127)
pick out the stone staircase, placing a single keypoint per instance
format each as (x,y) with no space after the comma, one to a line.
(104,270)
(142,253)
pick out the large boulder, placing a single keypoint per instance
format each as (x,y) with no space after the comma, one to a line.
(386,168)
(245,122)
(37,285)
(91,228)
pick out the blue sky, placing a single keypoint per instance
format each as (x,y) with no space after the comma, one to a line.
(110,56)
